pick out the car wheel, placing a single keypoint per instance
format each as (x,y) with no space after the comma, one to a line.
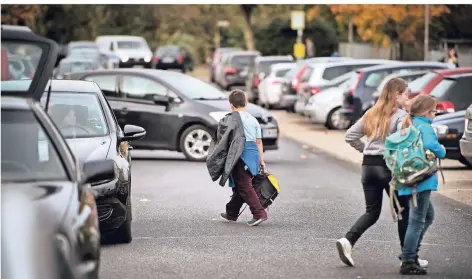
(465,162)
(183,70)
(195,143)
(123,233)
(336,120)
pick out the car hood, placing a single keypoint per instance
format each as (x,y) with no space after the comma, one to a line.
(448,117)
(90,149)
(223,105)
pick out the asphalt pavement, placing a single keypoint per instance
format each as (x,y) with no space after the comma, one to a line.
(177,232)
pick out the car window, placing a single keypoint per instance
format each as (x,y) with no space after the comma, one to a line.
(334,72)
(77,115)
(168,50)
(462,93)
(264,66)
(107,84)
(75,67)
(242,60)
(129,44)
(27,151)
(292,72)
(421,82)
(281,73)
(193,88)
(374,79)
(140,88)
(307,74)
(441,89)
(14,60)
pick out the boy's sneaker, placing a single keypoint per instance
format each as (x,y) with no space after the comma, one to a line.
(254,222)
(412,269)
(345,250)
(226,218)
(420,262)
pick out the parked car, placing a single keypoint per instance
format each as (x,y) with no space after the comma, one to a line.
(319,74)
(428,82)
(466,140)
(75,64)
(260,70)
(450,128)
(173,57)
(93,133)
(179,112)
(216,59)
(82,45)
(359,98)
(408,77)
(325,107)
(132,50)
(233,68)
(270,89)
(37,159)
(453,93)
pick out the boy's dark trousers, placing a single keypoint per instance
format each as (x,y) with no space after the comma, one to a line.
(243,192)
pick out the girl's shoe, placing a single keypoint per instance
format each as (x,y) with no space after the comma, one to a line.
(226,218)
(254,222)
(412,269)
(345,250)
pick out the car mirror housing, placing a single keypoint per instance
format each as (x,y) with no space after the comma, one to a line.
(132,132)
(98,171)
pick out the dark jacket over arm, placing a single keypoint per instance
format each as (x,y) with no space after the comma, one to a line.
(226,147)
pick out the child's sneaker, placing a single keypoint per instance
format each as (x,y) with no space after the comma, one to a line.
(254,222)
(226,218)
(345,251)
(412,269)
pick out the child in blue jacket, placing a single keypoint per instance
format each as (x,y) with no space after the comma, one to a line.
(422,113)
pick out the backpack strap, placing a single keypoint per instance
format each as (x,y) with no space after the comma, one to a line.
(393,198)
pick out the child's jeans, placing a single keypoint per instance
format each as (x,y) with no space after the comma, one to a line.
(419,221)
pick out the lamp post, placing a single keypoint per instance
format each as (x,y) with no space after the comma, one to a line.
(426,32)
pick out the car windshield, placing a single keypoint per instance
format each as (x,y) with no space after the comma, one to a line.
(168,50)
(19,61)
(420,83)
(130,44)
(441,89)
(342,78)
(194,88)
(27,152)
(243,60)
(74,67)
(264,66)
(77,115)
(83,46)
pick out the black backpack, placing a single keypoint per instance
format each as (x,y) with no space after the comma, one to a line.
(267,188)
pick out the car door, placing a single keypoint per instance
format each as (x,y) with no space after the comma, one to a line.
(108,83)
(140,108)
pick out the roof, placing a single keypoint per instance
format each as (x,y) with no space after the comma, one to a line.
(82,43)
(354,62)
(243,52)
(17,103)
(405,65)
(448,72)
(71,59)
(16,28)
(145,72)
(118,37)
(459,76)
(280,66)
(58,85)
(271,58)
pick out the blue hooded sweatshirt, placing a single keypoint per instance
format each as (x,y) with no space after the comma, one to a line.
(430,142)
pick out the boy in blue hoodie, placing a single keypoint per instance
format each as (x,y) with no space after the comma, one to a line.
(422,113)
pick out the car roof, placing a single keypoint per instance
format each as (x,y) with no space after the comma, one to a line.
(458,76)
(403,65)
(77,86)
(448,72)
(71,59)
(272,58)
(353,62)
(407,74)
(279,66)
(118,37)
(242,52)
(16,28)
(16,103)
(82,43)
(144,72)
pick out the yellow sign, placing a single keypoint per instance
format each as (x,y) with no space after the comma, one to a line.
(298,20)
(299,50)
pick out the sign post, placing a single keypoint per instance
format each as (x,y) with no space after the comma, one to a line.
(298,23)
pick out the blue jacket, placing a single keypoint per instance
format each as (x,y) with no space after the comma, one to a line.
(430,141)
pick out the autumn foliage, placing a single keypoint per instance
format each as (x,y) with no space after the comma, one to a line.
(377,23)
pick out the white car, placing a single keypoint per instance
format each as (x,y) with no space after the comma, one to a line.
(270,89)
(324,107)
(132,50)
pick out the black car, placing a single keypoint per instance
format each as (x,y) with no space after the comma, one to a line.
(86,121)
(235,68)
(173,57)
(450,128)
(37,160)
(217,59)
(179,112)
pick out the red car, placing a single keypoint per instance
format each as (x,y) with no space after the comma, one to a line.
(428,83)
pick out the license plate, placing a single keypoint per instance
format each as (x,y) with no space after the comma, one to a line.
(168,60)
(269,133)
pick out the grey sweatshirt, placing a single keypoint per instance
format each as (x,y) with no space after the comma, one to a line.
(375,146)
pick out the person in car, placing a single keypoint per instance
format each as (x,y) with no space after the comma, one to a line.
(236,156)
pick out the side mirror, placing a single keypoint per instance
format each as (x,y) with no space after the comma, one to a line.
(133,132)
(97,171)
(161,100)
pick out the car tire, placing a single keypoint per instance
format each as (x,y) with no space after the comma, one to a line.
(123,233)
(200,133)
(331,121)
(465,162)
(183,70)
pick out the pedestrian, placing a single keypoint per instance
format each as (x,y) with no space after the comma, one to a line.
(451,57)
(378,122)
(422,113)
(236,155)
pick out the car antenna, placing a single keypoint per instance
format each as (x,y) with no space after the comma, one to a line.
(48,96)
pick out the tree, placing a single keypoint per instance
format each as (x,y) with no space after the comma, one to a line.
(247,11)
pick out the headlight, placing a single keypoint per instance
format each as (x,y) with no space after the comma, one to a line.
(218,115)
(147,59)
(63,244)
(124,58)
(440,130)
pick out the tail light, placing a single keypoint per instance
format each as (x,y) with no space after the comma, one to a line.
(155,59)
(255,81)
(354,85)
(315,90)
(180,59)
(229,71)
(445,107)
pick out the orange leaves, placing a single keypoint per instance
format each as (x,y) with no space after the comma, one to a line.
(312,13)
(372,19)
(16,12)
